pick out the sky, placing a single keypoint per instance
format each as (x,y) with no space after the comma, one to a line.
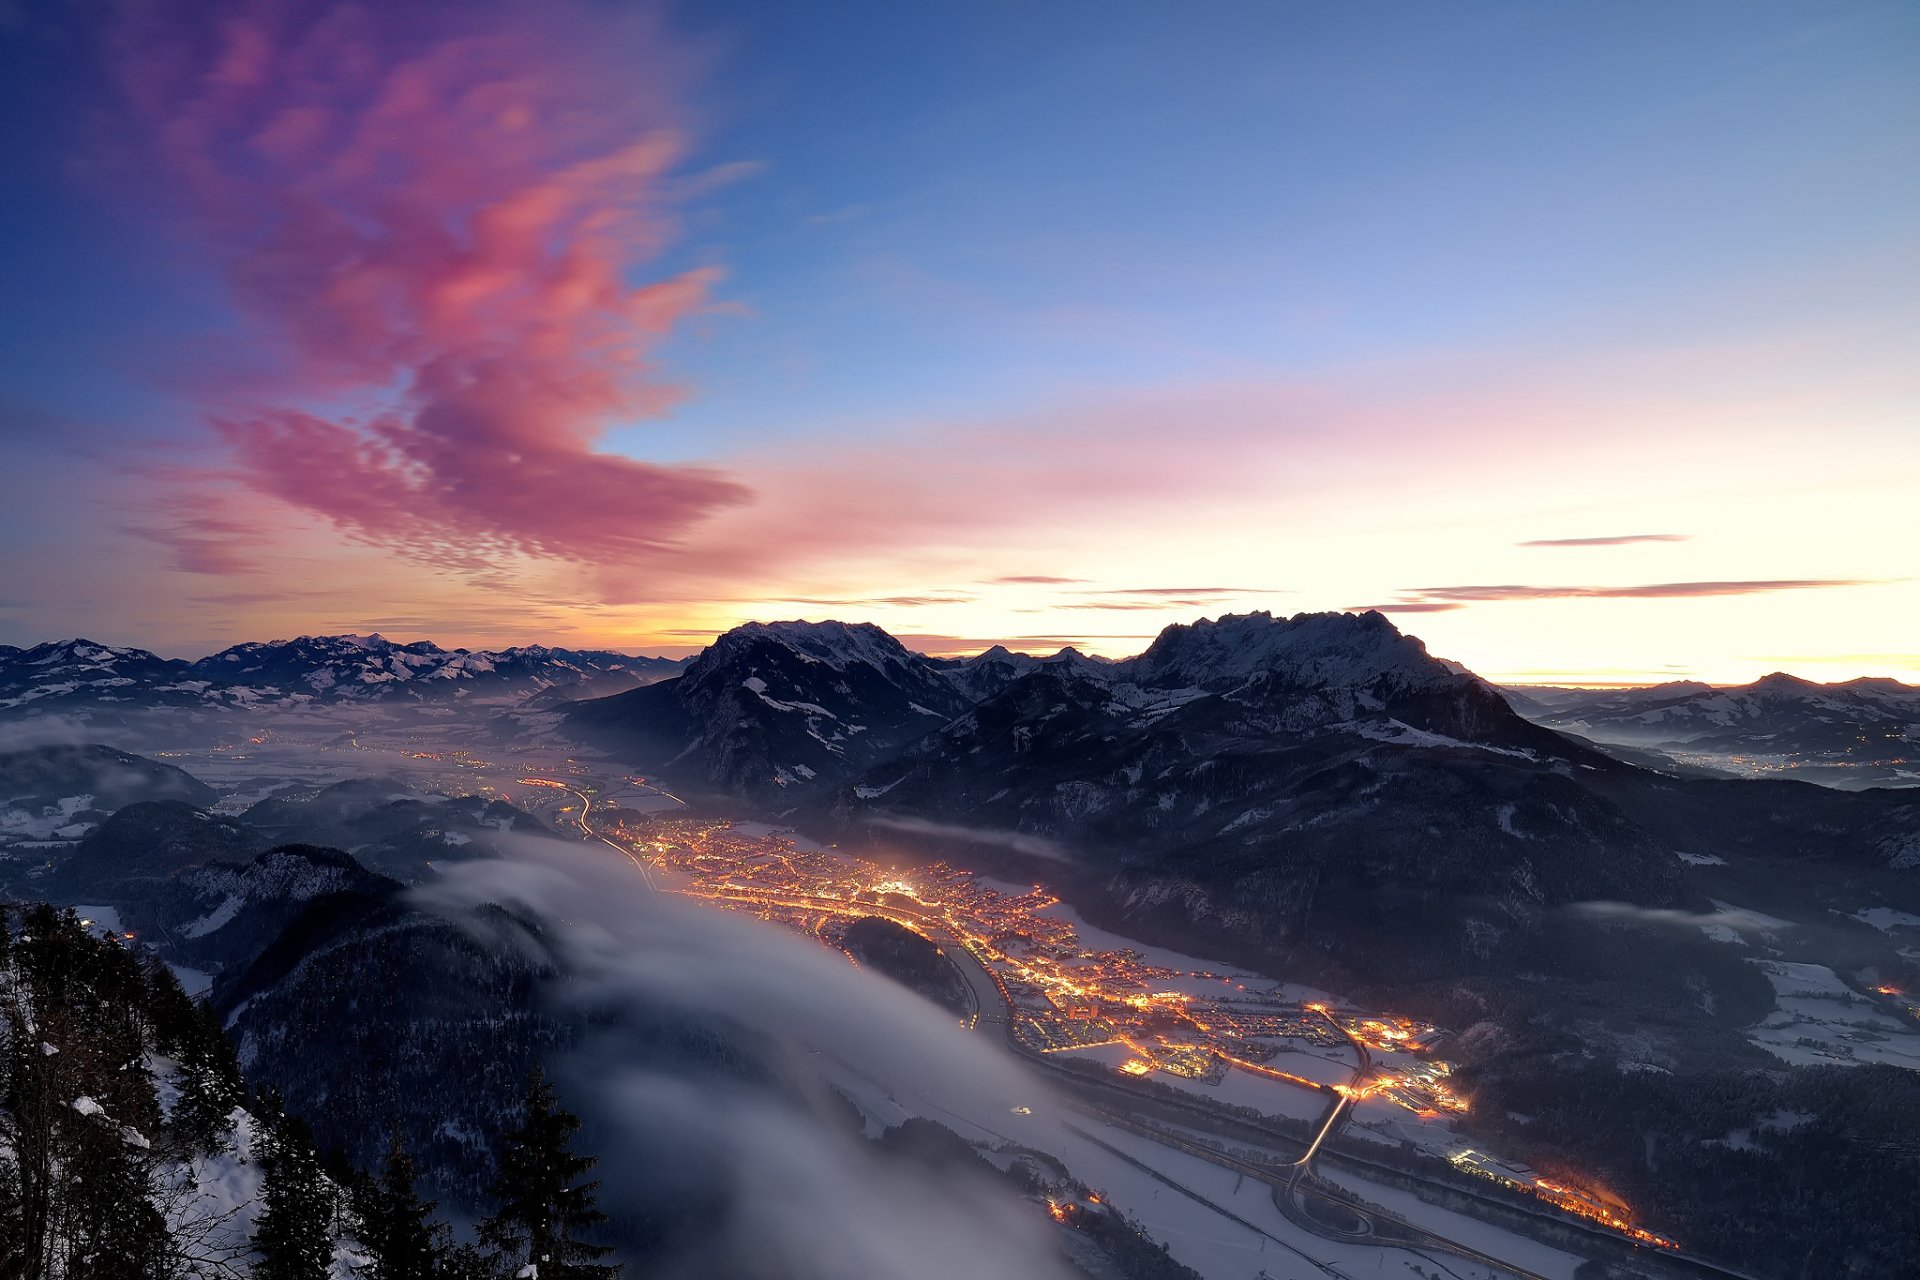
(1577,338)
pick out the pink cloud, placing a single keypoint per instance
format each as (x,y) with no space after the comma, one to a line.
(1649,591)
(1607,540)
(435,212)
(1034,579)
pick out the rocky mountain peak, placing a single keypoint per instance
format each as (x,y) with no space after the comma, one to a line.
(1313,649)
(839,645)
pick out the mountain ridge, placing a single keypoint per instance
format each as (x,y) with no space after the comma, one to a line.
(1853,733)
(82,675)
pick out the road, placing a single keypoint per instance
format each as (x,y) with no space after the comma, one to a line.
(586,829)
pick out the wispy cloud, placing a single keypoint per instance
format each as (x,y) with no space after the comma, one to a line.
(1034,579)
(205,528)
(1125,606)
(1417,597)
(1183,591)
(442,209)
(896,602)
(1406,606)
(1606,540)
(1017,841)
(845,213)
(1740,918)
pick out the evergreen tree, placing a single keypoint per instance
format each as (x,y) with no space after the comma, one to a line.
(544,1207)
(189,1032)
(113,1231)
(13,1222)
(463,1261)
(396,1223)
(293,1236)
(79,1104)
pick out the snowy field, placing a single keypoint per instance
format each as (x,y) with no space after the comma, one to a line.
(1821,1021)
(1886,919)
(1272,1097)
(1221,1224)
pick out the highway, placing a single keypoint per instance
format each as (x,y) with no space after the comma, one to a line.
(587,831)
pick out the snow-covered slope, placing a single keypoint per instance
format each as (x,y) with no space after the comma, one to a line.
(60,793)
(77,670)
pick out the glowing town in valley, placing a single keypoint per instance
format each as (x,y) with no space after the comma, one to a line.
(1070,996)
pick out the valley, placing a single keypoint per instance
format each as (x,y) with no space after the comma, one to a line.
(1293,947)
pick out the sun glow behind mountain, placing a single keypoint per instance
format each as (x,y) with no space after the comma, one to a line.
(613,328)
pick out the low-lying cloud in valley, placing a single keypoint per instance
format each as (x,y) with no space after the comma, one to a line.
(782,1183)
(1017,841)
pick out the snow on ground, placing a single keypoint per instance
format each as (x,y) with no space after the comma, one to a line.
(1327,1066)
(1201,1237)
(1820,1021)
(105,920)
(649,802)
(1494,1241)
(761,830)
(1405,735)
(21,823)
(1886,919)
(1244,1089)
(194,982)
(221,915)
(211,1202)
(1107,1055)
(1220,1248)
(1390,1122)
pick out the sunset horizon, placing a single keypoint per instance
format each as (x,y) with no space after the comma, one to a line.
(652,370)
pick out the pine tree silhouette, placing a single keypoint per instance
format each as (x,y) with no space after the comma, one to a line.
(544,1207)
(294,1233)
(398,1228)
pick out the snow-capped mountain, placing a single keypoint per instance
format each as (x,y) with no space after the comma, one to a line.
(774,709)
(373,667)
(1863,732)
(1310,650)
(79,676)
(1318,782)
(775,706)
(995,668)
(72,671)
(1263,777)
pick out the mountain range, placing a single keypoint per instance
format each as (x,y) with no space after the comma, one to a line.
(1318,790)
(1853,734)
(85,679)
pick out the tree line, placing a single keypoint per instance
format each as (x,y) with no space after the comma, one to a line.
(121,1104)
